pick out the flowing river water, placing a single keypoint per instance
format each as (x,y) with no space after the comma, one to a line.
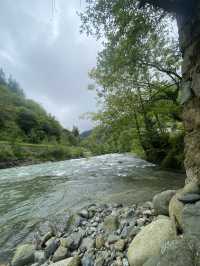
(31,195)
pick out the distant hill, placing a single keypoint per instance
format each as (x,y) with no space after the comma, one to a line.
(24,120)
(86,134)
(28,134)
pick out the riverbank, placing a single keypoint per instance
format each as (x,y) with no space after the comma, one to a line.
(96,235)
(22,154)
(34,194)
(164,232)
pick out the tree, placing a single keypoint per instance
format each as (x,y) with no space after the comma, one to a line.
(138,74)
(2,77)
(14,86)
(146,16)
(187,14)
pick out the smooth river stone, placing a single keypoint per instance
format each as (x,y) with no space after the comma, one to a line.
(189,198)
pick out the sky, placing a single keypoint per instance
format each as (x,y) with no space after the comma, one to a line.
(42,48)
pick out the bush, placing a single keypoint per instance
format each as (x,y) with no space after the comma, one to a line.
(6,153)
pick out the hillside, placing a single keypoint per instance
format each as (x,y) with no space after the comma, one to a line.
(27,131)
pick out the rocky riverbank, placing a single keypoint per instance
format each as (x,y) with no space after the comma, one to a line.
(96,235)
(164,232)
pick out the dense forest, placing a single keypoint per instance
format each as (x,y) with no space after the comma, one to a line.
(28,132)
(137,81)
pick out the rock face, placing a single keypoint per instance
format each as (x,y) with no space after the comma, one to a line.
(161,202)
(179,203)
(149,241)
(191,219)
(24,255)
(176,253)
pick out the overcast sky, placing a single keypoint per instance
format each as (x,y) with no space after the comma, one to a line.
(46,54)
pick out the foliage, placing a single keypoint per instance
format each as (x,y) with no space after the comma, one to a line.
(28,132)
(137,77)
(24,120)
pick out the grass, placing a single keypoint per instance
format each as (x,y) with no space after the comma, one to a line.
(10,152)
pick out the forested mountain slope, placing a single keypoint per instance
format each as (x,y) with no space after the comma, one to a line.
(28,132)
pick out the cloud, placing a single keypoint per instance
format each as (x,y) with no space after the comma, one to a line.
(43,49)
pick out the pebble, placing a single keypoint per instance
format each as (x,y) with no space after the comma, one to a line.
(98,235)
(100,241)
(84,213)
(120,245)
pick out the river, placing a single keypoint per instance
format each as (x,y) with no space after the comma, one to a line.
(31,195)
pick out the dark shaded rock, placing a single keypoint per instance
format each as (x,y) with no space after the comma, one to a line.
(161,202)
(76,240)
(51,246)
(189,198)
(46,238)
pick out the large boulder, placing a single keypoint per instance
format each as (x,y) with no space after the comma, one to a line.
(176,206)
(180,252)
(176,253)
(191,219)
(24,255)
(149,240)
(161,202)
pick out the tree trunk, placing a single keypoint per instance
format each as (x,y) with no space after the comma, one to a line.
(189,32)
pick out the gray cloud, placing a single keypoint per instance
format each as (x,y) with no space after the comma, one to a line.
(45,52)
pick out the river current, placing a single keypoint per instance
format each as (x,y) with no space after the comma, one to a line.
(32,195)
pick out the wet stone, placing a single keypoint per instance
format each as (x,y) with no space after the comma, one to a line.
(189,198)
(51,246)
(60,254)
(84,213)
